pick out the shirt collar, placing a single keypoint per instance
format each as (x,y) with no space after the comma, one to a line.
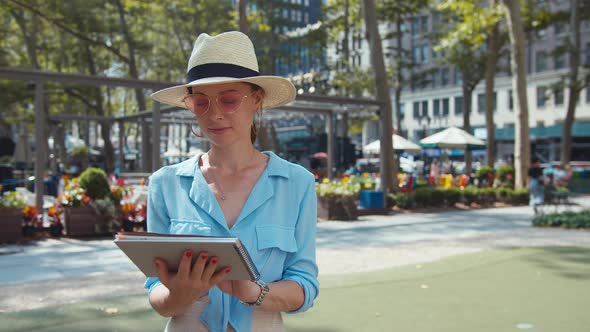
(276,166)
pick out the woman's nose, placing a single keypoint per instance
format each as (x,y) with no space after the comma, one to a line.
(214,109)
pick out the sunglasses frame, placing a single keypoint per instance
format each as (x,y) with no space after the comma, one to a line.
(216,102)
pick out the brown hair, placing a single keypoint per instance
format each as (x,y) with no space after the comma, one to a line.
(253,88)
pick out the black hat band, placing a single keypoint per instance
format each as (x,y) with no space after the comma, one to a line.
(219,70)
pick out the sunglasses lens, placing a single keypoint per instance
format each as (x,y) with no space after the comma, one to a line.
(230,101)
(199,104)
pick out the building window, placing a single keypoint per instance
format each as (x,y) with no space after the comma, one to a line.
(416,110)
(416,54)
(588,94)
(424,53)
(306,3)
(444,76)
(458,77)
(415,26)
(559,61)
(425,108)
(587,51)
(560,27)
(306,18)
(424,24)
(458,105)
(541,63)
(481,103)
(540,96)
(445,107)
(558,95)
(510,101)
(436,108)
(402,111)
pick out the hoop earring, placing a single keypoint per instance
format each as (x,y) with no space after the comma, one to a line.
(194,133)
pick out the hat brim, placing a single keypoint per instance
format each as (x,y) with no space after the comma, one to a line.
(278,91)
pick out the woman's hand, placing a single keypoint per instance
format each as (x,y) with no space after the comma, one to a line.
(188,284)
(244,290)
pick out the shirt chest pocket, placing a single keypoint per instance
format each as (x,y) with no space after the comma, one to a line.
(190,226)
(274,243)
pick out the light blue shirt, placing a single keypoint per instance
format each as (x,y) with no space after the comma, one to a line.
(277,225)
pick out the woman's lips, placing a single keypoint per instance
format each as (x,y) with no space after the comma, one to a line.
(219,131)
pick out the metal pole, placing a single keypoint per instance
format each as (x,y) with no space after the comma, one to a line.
(156,136)
(40,140)
(145,148)
(121,146)
(330,143)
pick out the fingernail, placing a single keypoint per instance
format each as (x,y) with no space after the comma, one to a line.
(228,270)
(214,260)
(203,256)
(189,253)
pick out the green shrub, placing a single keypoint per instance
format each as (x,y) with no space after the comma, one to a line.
(483,171)
(452,196)
(437,197)
(390,201)
(486,196)
(520,197)
(504,194)
(469,194)
(505,176)
(422,197)
(94,181)
(403,200)
(567,219)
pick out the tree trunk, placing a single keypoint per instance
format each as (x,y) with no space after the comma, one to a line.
(491,61)
(522,146)
(131,47)
(242,17)
(389,167)
(105,126)
(467,92)
(574,85)
(399,77)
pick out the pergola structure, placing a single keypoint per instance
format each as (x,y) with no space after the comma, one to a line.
(305,103)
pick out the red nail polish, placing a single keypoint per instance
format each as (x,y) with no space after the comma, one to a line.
(214,260)
(189,253)
(228,270)
(203,256)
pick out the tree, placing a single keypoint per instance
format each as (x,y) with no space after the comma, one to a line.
(463,47)
(575,85)
(522,146)
(395,12)
(389,167)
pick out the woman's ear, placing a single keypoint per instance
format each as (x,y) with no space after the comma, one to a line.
(258,98)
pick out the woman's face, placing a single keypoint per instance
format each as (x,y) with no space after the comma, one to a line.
(231,108)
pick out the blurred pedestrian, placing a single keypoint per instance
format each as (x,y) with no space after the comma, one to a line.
(536,187)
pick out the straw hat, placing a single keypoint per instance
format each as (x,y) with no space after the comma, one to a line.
(227,58)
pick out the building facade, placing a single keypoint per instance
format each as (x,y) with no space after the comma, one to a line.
(438,104)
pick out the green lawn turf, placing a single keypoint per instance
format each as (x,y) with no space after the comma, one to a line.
(541,289)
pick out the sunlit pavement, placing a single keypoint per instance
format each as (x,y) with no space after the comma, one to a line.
(94,273)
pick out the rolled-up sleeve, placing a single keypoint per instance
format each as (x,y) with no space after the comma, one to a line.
(301,266)
(157,217)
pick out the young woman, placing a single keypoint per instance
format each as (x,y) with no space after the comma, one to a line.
(233,190)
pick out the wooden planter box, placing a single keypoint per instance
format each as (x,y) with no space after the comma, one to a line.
(337,208)
(82,221)
(11,227)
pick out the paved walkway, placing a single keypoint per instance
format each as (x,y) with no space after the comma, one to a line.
(64,271)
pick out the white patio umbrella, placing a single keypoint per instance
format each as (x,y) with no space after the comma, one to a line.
(399,144)
(452,138)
